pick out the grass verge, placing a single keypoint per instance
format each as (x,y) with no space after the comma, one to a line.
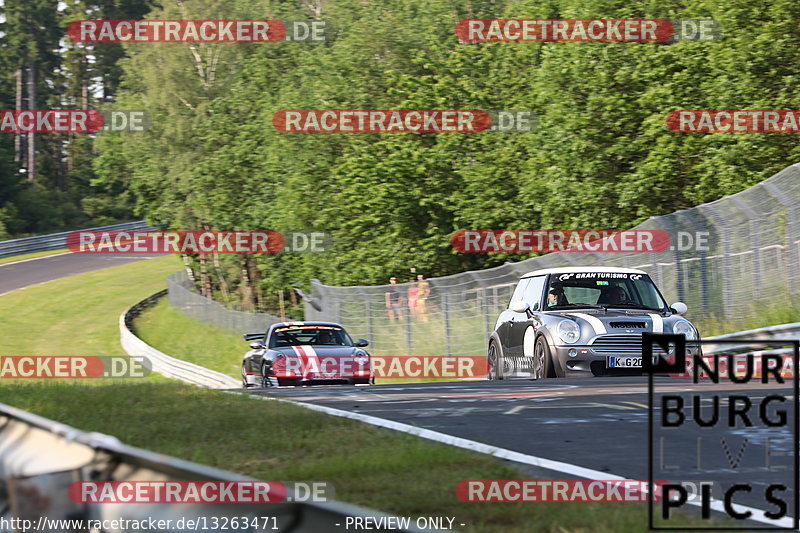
(33,255)
(270,440)
(369,466)
(167,329)
(77,315)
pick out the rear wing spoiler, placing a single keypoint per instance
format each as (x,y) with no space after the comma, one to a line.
(254,336)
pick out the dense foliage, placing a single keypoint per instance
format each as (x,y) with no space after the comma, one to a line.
(53,185)
(600,155)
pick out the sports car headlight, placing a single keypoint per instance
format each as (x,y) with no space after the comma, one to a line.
(682,327)
(569,331)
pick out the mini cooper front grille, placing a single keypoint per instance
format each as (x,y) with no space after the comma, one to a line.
(621,345)
(628,325)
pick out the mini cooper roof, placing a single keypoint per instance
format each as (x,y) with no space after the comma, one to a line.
(567,270)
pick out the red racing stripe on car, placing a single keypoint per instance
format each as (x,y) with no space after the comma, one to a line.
(303,360)
(313,362)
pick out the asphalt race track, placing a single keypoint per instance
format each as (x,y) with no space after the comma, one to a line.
(597,423)
(39,270)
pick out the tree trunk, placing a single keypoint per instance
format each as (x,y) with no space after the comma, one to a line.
(205,281)
(31,135)
(247,287)
(84,83)
(58,160)
(255,276)
(223,285)
(188,265)
(19,144)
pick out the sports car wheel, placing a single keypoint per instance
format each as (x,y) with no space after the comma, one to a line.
(493,371)
(542,363)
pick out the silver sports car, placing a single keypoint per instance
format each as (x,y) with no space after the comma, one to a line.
(581,321)
(305,353)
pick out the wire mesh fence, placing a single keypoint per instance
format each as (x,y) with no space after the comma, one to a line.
(183,298)
(751,256)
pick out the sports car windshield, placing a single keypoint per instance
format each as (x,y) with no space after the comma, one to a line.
(309,335)
(603,289)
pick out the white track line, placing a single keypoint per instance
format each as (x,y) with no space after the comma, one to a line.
(510,455)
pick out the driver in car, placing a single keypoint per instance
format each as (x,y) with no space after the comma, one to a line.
(613,295)
(556,295)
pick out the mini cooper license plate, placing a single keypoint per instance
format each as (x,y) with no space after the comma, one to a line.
(614,361)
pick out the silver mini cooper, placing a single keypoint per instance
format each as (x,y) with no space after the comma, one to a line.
(581,321)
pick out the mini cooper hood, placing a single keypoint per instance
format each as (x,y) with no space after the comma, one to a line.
(621,321)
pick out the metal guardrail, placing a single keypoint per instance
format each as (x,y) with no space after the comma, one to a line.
(780,332)
(40,459)
(55,241)
(161,362)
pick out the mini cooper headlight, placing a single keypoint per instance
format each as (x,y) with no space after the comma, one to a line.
(569,331)
(682,327)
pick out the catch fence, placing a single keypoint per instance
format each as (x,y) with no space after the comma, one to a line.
(750,258)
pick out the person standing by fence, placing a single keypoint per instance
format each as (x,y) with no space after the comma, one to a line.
(393,301)
(412,299)
(423,292)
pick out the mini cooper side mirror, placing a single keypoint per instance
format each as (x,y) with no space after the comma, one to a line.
(679,307)
(519,306)
(258,345)
(361,343)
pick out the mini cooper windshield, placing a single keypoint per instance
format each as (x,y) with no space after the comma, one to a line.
(603,290)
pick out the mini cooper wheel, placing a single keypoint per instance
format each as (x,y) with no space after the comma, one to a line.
(494,370)
(542,362)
